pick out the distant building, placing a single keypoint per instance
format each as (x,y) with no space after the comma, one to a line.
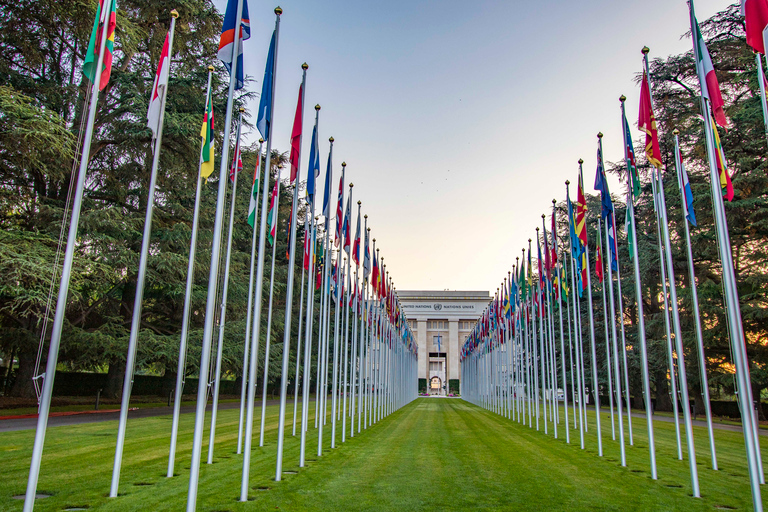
(441,322)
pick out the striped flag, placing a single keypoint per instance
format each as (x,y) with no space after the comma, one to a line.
(339,212)
(345,228)
(106,14)
(264,116)
(356,244)
(314,165)
(366,258)
(710,88)
(272,215)
(159,88)
(227,40)
(687,192)
(629,157)
(254,197)
(725,178)
(206,133)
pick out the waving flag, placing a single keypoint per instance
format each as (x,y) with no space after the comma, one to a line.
(237,161)
(725,178)
(599,264)
(307,248)
(296,135)
(601,185)
(628,227)
(686,185)
(314,165)
(581,214)
(366,257)
(710,88)
(356,245)
(647,124)
(206,133)
(613,248)
(254,197)
(345,228)
(159,88)
(272,215)
(629,156)
(339,212)
(105,15)
(264,116)
(375,273)
(227,39)
(327,191)
(755,13)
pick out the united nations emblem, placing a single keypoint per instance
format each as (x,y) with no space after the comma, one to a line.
(438,307)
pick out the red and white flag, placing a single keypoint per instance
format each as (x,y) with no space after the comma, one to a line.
(158,89)
(710,88)
(755,14)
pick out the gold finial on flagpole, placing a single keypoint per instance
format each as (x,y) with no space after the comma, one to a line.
(305,66)
(581,161)
(174,13)
(645,50)
(330,139)
(210,68)
(676,131)
(278,10)
(599,135)
(317,107)
(622,98)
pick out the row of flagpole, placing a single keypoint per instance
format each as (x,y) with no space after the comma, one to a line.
(374,352)
(509,361)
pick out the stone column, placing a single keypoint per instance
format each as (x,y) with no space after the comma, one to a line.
(452,354)
(421,339)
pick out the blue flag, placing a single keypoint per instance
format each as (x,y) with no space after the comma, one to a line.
(264,118)
(314,165)
(327,194)
(601,185)
(687,192)
(227,39)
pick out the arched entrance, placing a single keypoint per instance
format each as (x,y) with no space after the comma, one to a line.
(435,386)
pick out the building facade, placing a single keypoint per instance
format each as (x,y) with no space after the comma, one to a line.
(441,322)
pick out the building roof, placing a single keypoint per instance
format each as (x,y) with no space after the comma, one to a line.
(442,294)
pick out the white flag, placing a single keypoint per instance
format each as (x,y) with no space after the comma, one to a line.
(158,90)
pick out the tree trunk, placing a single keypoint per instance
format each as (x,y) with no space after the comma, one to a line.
(115,376)
(663,400)
(23,386)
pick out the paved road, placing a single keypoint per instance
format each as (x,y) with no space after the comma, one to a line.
(79,419)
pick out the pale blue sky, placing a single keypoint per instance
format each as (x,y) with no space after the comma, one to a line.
(460,121)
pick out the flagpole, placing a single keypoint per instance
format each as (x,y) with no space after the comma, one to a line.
(247,344)
(289,299)
(181,368)
(590,312)
(307,233)
(577,330)
(605,324)
(324,294)
(223,313)
(363,356)
(761,83)
(308,348)
(256,329)
(268,340)
(695,300)
(61,301)
(133,341)
(562,336)
(336,321)
(353,366)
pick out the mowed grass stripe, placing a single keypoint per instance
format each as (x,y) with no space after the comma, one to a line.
(434,454)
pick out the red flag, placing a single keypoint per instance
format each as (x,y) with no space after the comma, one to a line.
(296,136)
(307,250)
(647,124)
(581,214)
(599,264)
(755,13)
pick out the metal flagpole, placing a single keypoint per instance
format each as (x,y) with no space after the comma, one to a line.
(361,333)
(761,84)
(337,316)
(605,324)
(130,360)
(267,342)
(289,300)
(202,388)
(348,277)
(61,301)
(676,321)
(247,344)
(353,360)
(695,300)
(308,349)
(562,336)
(223,314)
(641,333)
(590,313)
(256,328)
(181,368)
(307,231)
(324,297)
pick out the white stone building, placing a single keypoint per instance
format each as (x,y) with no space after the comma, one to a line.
(441,322)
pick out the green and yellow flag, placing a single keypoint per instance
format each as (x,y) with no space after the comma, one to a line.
(206,133)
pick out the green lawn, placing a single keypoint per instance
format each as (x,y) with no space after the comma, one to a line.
(434,454)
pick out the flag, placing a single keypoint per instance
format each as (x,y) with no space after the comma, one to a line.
(254,197)
(581,214)
(722,168)
(105,14)
(345,227)
(327,191)
(628,228)
(237,161)
(227,39)
(264,117)
(755,13)
(599,264)
(159,88)
(547,259)
(206,133)
(288,233)
(366,257)
(375,274)
(710,88)
(554,241)
(314,165)
(629,156)
(647,124)
(339,213)
(272,215)
(686,192)
(356,245)
(601,185)
(296,136)
(612,247)
(307,248)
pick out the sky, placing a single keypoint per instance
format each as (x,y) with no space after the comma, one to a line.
(461,121)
